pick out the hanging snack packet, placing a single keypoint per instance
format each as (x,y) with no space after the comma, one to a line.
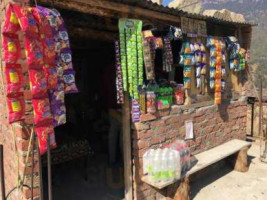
(69,80)
(42,114)
(14,78)
(42,133)
(212,72)
(26,20)
(16,107)
(51,76)
(11,24)
(34,51)
(59,114)
(38,83)
(187,71)
(187,83)
(11,47)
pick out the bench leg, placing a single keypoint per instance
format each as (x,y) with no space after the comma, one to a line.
(183,190)
(241,162)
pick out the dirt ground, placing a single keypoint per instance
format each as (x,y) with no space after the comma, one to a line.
(231,185)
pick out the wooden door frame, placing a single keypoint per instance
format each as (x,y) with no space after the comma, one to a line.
(127,149)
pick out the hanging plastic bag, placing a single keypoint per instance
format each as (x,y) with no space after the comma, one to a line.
(42,133)
(14,78)
(42,113)
(16,107)
(38,83)
(11,47)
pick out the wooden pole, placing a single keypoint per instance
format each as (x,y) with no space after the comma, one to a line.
(260,111)
(40,175)
(50,196)
(109,8)
(3,189)
(127,154)
(32,172)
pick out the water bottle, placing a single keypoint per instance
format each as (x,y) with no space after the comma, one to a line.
(172,163)
(164,165)
(156,171)
(178,167)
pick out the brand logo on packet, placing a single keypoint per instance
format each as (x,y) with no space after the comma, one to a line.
(69,78)
(66,57)
(16,107)
(63,35)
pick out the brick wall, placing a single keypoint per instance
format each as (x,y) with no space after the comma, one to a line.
(15,157)
(213,125)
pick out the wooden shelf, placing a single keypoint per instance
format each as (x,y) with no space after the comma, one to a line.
(204,160)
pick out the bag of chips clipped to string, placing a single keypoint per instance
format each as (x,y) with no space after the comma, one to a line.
(27,22)
(11,47)
(11,24)
(42,113)
(38,83)
(42,133)
(14,78)
(16,108)
(69,80)
(34,52)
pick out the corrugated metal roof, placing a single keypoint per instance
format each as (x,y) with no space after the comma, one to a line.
(147,4)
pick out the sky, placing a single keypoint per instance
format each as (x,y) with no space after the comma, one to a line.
(166,2)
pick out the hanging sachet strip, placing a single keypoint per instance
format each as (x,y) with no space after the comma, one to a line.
(130,49)
(167,55)
(21,19)
(53,67)
(119,83)
(63,52)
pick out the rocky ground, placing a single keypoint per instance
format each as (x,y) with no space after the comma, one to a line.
(231,185)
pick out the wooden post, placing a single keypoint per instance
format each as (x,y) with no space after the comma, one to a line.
(49,170)
(127,153)
(241,162)
(183,190)
(2,173)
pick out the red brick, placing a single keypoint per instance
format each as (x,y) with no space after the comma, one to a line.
(162,113)
(175,110)
(140,144)
(158,140)
(27,192)
(173,120)
(23,145)
(141,126)
(156,124)
(147,117)
(161,130)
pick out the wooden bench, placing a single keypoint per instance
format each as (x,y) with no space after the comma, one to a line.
(205,159)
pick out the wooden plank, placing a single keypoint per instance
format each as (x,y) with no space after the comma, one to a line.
(107,8)
(205,159)
(88,33)
(127,154)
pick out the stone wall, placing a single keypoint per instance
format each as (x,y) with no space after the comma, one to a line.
(15,138)
(213,125)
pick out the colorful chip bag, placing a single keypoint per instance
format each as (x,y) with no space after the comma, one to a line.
(42,113)
(42,133)
(11,47)
(69,80)
(38,83)
(16,107)
(14,78)
(11,24)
